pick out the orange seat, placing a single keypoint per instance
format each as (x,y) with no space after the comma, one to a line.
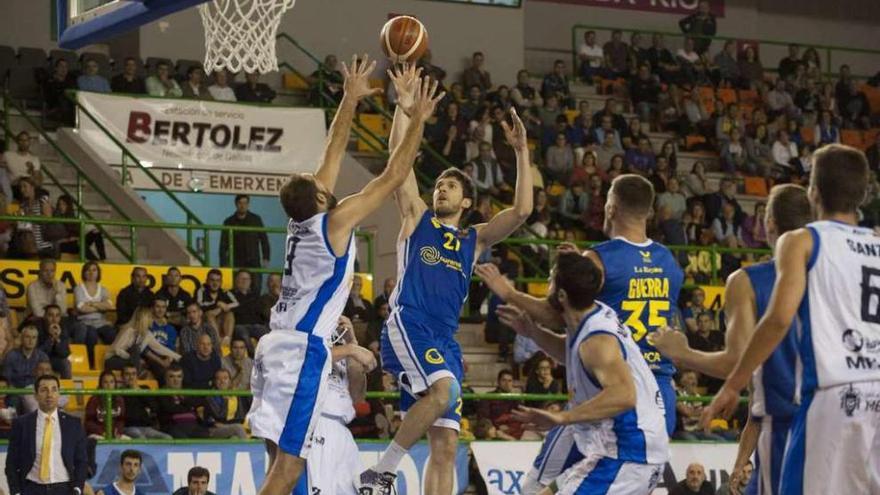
(871,136)
(748,96)
(726,95)
(852,138)
(755,186)
(294,81)
(873,96)
(808,134)
(706,92)
(692,140)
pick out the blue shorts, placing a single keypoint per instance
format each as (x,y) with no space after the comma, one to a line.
(768,455)
(558,453)
(667,391)
(419,353)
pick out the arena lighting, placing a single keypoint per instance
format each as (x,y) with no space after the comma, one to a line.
(196,184)
(147,164)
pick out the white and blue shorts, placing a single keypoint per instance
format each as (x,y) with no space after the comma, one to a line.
(334,461)
(600,475)
(558,453)
(289,382)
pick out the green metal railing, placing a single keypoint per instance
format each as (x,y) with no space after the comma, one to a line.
(578,29)
(230,230)
(126,156)
(109,395)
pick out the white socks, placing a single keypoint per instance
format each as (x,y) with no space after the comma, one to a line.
(390,459)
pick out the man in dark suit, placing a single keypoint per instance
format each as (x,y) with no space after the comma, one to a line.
(47,448)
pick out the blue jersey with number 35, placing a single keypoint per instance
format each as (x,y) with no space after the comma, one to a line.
(434,267)
(642,282)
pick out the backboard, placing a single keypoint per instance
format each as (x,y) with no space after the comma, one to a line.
(84,22)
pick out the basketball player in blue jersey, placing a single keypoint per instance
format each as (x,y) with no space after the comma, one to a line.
(642,280)
(828,285)
(614,412)
(435,262)
(747,296)
(292,362)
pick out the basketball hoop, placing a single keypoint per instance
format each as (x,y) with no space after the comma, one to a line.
(240,34)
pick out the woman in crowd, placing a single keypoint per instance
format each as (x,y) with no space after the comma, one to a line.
(134,341)
(69,244)
(695,222)
(92,301)
(760,151)
(696,182)
(29,240)
(668,150)
(750,68)
(541,381)
(752,230)
(96,413)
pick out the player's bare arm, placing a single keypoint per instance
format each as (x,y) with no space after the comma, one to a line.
(538,308)
(517,319)
(739,309)
(601,355)
(794,249)
(409,203)
(508,220)
(748,441)
(356,207)
(357,87)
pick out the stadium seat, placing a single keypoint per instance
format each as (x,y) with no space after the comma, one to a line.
(294,82)
(692,140)
(22,84)
(31,57)
(852,138)
(100,352)
(755,186)
(873,96)
(150,384)
(748,96)
(726,95)
(77,403)
(808,134)
(183,67)
(571,115)
(870,136)
(79,359)
(152,62)
(225,350)
(68,56)
(376,124)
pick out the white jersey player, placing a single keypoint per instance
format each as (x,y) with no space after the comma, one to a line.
(828,284)
(616,410)
(334,461)
(292,362)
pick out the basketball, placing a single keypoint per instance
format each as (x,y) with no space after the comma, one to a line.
(404,39)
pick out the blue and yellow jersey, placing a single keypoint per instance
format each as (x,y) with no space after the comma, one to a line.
(642,282)
(434,267)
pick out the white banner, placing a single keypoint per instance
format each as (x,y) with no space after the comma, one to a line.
(503,465)
(207,135)
(209,181)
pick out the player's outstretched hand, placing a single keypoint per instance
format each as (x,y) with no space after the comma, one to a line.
(364,357)
(357,77)
(494,280)
(516,133)
(405,79)
(346,329)
(670,342)
(425,99)
(516,319)
(536,419)
(722,406)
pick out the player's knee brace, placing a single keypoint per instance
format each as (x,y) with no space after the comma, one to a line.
(454,393)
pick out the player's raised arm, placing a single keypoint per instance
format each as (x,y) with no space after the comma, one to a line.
(538,308)
(740,325)
(517,319)
(507,221)
(356,87)
(409,203)
(794,250)
(356,207)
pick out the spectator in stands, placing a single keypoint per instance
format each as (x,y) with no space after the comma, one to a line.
(728,66)
(841,87)
(177,413)
(694,484)
(541,380)
(238,364)
(177,297)
(727,123)
(579,174)
(135,295)
(387,288)
(197,482)
(163,331)
(221,90)
(128,81)
(357,308)
(725,228)
(19,364)
(752,232)
(661,174)
(499,411)
(750,68)
(738,481)
(225,414)
(523,94)
(643,91)
(58,108)
(55,342)
(326,82)
(134,342)
(485,430)
(90,80)
(32,240)
(140,417)
(69,243)
(559,160)
(252,90)
(429,69)
(693,308)
(92,301)
(195,327)
(734,157)
(641,160)
(476,75)
(573,206)
(22,163)
(193,87)
(688,58)
(8,321)
(873,154)
(592,57)
(46,290)
(249,249)
(248,322)
(268,300)
(606,129)
(200,365)
(789,65)
(700,24)
(480,130)
(779,101)
(673,199)
(487,174)
(695,222)
(129,471)
(689,412)
(162,84)
(706,338)
(726,194)
(556,83)
(612,110)
(662,62)
(854,107)
(759,151)
(784,153)
(96,414)
(826,131)
(616,55)
(638,54)
(217,303)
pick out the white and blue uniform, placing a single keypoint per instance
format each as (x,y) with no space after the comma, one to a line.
(292,362)
(835,445)
(774,391)
(623,455)
(434,267)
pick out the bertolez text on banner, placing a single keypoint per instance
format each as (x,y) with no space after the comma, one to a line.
(207,135)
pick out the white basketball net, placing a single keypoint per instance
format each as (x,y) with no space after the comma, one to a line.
(240,34)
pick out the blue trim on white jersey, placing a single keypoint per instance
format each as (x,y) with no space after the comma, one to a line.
(792,482)
(600,479)
(325,292)
(809,375)
(302,407)
(816,243)
(546,448)
(631,443)
(593,333)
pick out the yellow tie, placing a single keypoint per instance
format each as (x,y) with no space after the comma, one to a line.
(46,451)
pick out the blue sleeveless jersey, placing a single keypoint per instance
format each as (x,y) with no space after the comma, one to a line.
(774,382)
(434,267)
(642,282)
